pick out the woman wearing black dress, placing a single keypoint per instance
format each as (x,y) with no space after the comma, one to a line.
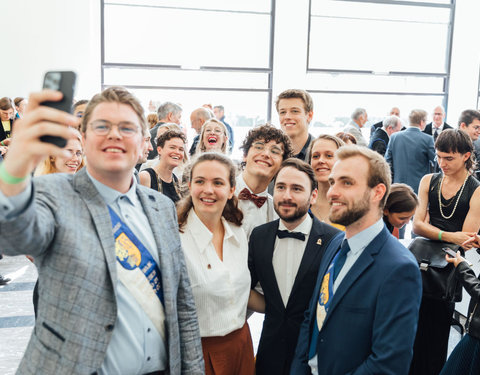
(449,211)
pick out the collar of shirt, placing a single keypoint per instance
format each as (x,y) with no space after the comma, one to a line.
(440,128)
(110,195)
(303,153)
(304,227)
(203,236)
(242,185)
(361,240)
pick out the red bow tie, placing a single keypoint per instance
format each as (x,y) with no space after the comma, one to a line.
(247,196)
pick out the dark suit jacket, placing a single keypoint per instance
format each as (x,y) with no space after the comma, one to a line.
(428,128)
(379,141)
(282,324)
(410,154)
(372,320)
(3,134)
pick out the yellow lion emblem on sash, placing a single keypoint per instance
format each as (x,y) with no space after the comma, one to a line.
(126,251)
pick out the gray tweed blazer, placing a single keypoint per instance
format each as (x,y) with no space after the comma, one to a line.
(67,228)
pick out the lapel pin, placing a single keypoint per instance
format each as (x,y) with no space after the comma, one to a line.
(319,241)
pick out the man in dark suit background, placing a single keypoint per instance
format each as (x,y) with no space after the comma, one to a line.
(395,111)
(287,267)
(379,139)
(411,153)
(363,314)
(438,124)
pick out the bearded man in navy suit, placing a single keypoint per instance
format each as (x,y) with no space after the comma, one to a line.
(363,314)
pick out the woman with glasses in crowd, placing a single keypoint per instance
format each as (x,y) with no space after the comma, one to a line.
(213,137)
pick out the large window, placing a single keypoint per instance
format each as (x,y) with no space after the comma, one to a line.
(194,53)
(378,54)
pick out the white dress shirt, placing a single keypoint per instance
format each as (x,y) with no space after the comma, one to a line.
(252,215)
(287,256)
(220,288)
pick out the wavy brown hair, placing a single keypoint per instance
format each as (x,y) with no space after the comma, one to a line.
(231,212)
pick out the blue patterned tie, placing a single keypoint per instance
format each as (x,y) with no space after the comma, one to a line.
(342,256)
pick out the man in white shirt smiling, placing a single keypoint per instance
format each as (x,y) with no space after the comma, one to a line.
(114,295)
(283,257)
(363,314)
(264,149)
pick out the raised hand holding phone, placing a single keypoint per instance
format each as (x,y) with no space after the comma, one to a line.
(65,83)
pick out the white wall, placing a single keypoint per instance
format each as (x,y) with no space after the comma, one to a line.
(47,35)
(465,67)
(65,34)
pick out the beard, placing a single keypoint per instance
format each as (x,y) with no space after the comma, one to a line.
(298,213)
(349,216)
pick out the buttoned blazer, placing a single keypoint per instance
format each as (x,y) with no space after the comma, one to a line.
(372,319)
(67,228)
(379,141)
(428,128)
(410,154)
(282,323)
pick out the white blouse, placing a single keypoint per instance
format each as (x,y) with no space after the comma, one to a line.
(220,289)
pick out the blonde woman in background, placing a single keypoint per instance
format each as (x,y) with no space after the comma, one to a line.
(213,137)
(70,164)
(322,159)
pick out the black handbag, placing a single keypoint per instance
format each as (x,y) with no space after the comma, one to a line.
(438,276)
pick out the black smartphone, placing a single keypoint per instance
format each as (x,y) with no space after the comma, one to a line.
(450,252)
(64,82)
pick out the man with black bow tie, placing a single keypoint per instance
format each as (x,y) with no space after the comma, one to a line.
(284,256)
(264,149)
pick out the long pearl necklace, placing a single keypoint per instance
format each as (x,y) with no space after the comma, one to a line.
(458,198)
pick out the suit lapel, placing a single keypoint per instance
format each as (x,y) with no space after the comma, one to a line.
(312,251)
(358,268)
(268,263)
(101,218)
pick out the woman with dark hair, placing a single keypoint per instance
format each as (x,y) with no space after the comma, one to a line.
(449,211)
(216,253)
(160,177)
(399,208)
(322,158)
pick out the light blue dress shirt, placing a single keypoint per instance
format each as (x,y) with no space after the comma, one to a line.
(357,244)
(136,347)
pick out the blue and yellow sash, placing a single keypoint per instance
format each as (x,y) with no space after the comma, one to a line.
(323,303)
(139,272)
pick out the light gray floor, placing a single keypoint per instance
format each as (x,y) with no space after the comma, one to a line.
(16,313)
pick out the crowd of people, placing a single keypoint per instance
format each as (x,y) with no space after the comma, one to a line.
(151,252)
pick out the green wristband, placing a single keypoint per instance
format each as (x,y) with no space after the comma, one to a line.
(440,235)
(8,178)
(3,144)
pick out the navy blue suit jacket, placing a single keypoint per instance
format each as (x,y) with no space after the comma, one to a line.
(410,154)
(372,320)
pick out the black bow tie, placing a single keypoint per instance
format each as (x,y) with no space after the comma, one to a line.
(286,234)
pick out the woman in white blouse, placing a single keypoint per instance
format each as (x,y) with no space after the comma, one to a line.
(216,252)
